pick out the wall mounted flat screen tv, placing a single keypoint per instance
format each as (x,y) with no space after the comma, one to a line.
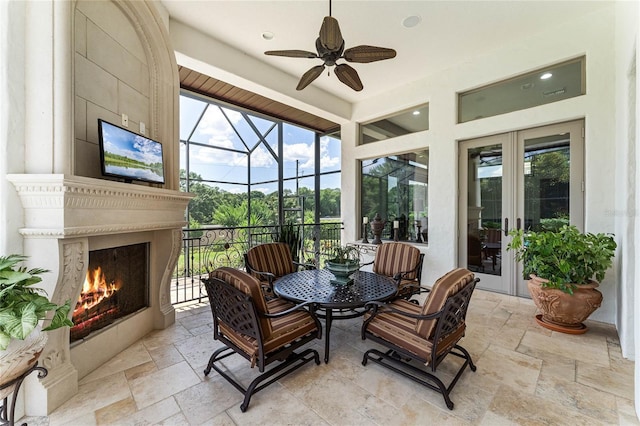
(129,156)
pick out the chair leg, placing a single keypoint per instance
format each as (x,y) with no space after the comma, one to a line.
(292,363)
(396,363)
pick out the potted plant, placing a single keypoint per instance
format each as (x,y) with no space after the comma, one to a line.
(289,233)
(344,261)
(22,307)
(564,267)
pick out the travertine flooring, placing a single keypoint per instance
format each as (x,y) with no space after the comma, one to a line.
(526,375)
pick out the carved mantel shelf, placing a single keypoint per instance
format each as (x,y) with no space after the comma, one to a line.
(62,206)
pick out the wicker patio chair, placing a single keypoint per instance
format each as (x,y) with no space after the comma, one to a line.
(419,338)
(262,331)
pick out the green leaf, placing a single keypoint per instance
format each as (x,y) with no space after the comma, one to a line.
(4,340)
(22,324)
(60,317)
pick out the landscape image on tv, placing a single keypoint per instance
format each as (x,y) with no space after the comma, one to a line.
(130,156)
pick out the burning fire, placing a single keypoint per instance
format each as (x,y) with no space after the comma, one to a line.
(95,290)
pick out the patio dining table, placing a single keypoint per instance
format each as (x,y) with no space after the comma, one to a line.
(346,300)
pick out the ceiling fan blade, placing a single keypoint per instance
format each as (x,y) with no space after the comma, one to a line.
(309,76)
(330,36)
(291,53)
(348,76)
(364,54)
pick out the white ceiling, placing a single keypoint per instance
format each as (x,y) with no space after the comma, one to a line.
(449,33)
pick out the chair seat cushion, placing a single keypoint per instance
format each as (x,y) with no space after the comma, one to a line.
(284,330)
(400,331)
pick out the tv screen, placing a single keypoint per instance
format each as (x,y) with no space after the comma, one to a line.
(129,156)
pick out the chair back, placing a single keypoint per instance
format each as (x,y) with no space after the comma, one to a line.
(393,258)
(228,307)
(442,291)
(271,257)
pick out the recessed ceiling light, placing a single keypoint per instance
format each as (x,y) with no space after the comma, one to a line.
(411,21)
(267,35)
(416,112)
(546,75)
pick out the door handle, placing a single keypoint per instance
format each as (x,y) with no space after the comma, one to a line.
(518,223)
(506,226)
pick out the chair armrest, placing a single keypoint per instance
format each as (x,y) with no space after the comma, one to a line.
(268,276)
(417,287)
(299,307)
(306,266)
(379,308)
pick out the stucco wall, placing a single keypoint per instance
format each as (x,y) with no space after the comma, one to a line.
(592,36)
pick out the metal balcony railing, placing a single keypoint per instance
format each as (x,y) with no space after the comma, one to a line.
(206,249)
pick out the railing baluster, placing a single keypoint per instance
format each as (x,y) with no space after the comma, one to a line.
(206,249)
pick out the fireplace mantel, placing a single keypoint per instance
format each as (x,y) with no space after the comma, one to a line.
(64,218)
(61,206)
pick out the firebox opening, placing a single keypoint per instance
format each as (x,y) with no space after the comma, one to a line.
(116,285)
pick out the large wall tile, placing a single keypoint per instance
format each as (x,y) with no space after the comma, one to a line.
(108,54)
(108,16)
(95,84)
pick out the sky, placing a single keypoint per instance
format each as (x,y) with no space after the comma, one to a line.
(122,142)
(231,166)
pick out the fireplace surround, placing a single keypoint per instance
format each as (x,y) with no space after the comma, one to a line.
(67,217)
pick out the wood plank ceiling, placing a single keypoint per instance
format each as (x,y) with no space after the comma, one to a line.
(216,89)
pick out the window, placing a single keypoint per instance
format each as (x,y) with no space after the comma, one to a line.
(402,123)
(246,169)
(397,188)
(546,85)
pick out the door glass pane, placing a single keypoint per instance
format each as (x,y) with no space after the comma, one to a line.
(546,182)
(484,209)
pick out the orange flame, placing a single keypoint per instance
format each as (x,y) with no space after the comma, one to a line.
(95,289)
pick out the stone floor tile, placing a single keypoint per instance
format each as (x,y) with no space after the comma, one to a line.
(208,399)
(140,370)
(569,346)
(133,356)
(155,387)
(499,366)
(166,356)
(91,396)
(197,350)
(576,396)
(525,409)
(527,375)
(112,413)
(605,379)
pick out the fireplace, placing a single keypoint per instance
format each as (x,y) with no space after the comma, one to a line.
(116,285)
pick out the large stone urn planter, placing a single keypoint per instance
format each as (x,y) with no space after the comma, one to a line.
(19,357)
(561,311)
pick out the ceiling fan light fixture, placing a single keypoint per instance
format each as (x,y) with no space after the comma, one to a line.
(330,49)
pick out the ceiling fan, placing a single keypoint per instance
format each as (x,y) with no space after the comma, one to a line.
(330,48)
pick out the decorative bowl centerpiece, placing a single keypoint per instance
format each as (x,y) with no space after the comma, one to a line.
(345,261)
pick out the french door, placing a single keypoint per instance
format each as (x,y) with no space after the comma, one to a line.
(529,179)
